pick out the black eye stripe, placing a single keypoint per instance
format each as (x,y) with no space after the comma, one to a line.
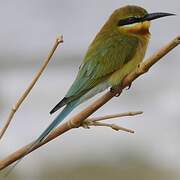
(129,20)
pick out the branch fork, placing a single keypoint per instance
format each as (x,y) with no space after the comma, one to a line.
(97,121)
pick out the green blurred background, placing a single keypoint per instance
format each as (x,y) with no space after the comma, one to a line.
(28,29)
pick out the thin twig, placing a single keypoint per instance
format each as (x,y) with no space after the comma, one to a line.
(115,116)
(77,120)
(95,121)
(31,85)
(113,126)
(86,124)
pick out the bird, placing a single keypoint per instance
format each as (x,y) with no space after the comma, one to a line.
(117,49)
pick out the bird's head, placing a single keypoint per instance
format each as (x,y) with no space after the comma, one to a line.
(132,19)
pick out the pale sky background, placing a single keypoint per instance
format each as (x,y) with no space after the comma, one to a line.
(28,30)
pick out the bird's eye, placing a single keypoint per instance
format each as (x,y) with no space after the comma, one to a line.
(129,20)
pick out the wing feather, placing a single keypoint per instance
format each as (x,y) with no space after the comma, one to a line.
(105,55)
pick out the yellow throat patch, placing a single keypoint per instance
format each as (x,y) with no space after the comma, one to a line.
(141,28)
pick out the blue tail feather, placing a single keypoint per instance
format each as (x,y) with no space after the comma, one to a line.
(63,114)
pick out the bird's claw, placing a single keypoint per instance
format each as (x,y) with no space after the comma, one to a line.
(113,90)
(129,86)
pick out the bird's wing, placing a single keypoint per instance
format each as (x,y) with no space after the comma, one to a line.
(102,59)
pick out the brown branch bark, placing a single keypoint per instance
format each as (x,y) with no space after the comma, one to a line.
(78,119)
(29,88)
(115,127)
(101,118)
(87,123)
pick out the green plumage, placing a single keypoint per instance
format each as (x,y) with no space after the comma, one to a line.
(115,52)
(107,53)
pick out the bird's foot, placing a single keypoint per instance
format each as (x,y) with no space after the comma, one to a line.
(113,90)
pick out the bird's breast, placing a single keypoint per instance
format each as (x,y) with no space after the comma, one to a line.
(132,64)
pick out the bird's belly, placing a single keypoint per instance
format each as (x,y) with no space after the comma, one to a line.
(97,89)
(120,74)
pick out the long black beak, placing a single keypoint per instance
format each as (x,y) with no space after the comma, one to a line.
(153,16)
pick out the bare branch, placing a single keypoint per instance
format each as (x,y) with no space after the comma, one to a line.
(87,123)
(78,119)
(29,88)
(95,121)
(114,116)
